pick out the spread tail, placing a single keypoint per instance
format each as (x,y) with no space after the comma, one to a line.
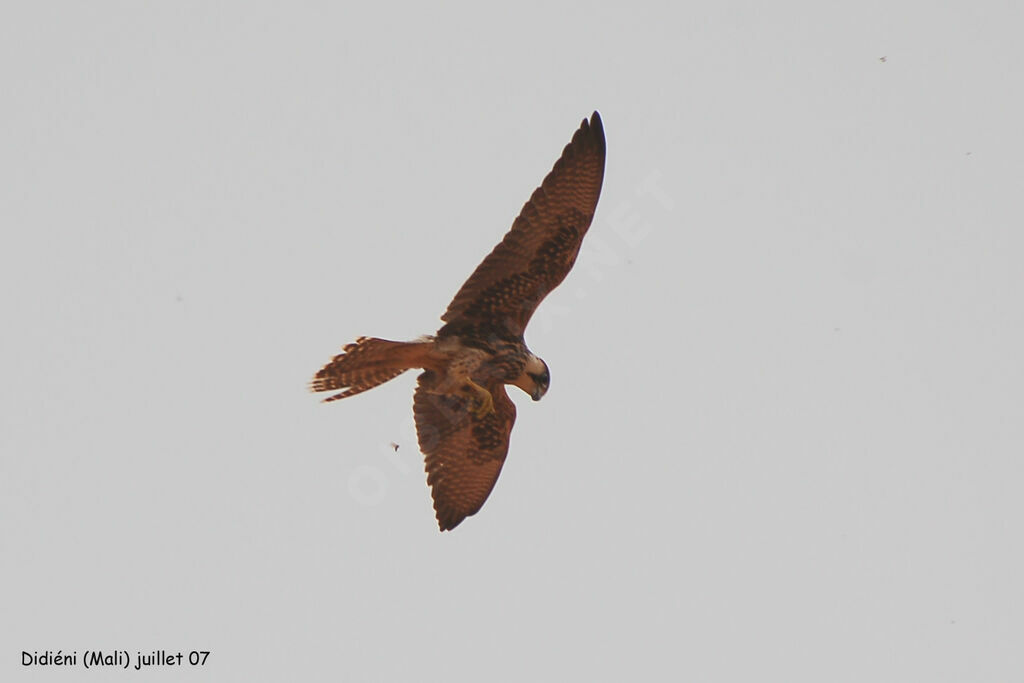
(367,363)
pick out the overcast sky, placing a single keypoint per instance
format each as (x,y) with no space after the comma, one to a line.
(784,435)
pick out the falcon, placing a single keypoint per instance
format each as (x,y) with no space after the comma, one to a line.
(463,415)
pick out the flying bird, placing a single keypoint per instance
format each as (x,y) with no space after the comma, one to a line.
(463,415)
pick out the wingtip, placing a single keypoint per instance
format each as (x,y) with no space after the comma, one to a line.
(595,126)
(448,523)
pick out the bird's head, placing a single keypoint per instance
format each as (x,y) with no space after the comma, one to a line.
(535,378)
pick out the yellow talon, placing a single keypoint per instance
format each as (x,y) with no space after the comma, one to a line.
(486,406)
(486,401)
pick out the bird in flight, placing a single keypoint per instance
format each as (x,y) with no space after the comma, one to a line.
(463,415)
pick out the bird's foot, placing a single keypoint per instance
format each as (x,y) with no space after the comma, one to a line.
(482,397)
(486,405)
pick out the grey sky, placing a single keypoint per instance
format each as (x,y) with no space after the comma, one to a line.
(784,433)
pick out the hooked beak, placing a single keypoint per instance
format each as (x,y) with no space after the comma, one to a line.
(537,393)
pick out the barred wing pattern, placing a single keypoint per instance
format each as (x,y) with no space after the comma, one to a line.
(464,453)
(540,249)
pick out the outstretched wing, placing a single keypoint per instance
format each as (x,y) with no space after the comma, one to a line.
(464,454)
(540,249)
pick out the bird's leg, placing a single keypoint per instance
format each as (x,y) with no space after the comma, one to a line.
(481,396)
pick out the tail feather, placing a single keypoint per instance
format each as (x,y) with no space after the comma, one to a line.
(367,363)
